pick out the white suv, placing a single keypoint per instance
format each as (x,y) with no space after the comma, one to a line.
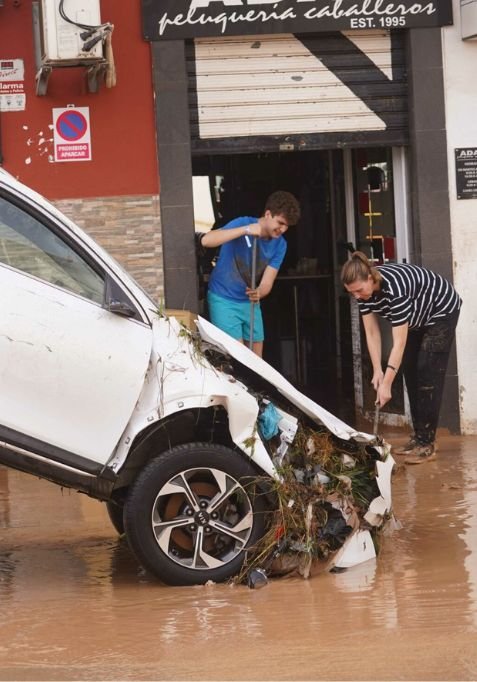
(102,393)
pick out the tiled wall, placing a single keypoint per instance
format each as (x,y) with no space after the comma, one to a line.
(129,228)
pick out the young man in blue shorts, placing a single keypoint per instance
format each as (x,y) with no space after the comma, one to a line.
(230,294)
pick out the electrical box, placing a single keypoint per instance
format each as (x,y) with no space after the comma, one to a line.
(60,39)
(468,19)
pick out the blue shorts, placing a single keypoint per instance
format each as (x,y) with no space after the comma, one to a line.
(233,317)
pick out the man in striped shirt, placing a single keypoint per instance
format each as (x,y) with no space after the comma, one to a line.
(423,309)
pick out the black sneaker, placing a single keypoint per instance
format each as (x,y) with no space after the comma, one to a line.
(407,448)
(421,454)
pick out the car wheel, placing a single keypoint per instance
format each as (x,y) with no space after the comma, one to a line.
(115,513)
(192,513)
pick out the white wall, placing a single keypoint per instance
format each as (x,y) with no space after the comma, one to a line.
(460,70)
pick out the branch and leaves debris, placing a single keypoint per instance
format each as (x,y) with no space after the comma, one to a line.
(324,490)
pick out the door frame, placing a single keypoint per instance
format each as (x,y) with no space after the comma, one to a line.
(402,217)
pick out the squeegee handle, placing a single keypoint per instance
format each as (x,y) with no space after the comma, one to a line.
(253,285)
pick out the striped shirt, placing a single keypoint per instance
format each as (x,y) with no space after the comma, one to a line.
(411,294)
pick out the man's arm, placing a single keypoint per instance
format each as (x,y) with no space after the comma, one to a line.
(265,286)
(373,341)
(400,334)
(216,238)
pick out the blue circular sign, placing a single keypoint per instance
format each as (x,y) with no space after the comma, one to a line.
(71,125)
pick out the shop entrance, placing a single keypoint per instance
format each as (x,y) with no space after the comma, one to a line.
(308,321)
(300,314)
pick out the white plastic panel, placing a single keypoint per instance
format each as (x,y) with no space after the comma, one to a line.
(61,40)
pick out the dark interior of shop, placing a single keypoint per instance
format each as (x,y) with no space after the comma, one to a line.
(302,315)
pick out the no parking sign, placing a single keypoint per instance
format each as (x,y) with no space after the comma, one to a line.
(71,134)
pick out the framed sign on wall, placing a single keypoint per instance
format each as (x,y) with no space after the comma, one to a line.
(466,172)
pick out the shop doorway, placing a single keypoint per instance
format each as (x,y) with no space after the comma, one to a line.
(301,315)
(375,180)
(310,329)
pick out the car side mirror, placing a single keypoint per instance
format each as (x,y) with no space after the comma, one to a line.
(117,301)
(121,308)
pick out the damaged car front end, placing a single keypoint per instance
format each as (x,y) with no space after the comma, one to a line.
(226,467)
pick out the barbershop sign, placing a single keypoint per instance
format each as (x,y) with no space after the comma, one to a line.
(181,19)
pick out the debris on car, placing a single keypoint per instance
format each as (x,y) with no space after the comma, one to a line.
(324,493)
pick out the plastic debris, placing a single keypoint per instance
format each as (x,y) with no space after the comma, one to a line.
(333,500)
(257,578)
(268,421)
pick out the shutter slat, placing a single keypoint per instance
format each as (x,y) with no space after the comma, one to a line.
(280,85)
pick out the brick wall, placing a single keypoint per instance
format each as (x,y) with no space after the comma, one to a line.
(129,228)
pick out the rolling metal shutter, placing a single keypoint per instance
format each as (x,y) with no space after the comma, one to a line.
(254,93)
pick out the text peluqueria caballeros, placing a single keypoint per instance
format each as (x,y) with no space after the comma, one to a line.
(380,11)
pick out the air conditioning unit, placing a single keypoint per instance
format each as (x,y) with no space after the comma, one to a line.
(60,39)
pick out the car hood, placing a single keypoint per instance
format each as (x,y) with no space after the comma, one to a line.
(225,343)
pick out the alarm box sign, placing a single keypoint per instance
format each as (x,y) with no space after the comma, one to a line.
(466,172)
(182,19)
(71,134)
(12,85)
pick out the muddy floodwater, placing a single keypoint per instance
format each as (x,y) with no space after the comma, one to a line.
(75,605)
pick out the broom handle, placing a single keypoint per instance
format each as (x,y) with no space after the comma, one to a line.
(253,284)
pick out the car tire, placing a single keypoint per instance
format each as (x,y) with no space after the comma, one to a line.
(193,512)
(116,516)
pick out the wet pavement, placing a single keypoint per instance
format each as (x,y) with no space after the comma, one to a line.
(75,605)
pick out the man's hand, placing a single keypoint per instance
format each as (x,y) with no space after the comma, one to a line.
(382,387)
(253,294)
(377,379)
(255,229)
(383,395)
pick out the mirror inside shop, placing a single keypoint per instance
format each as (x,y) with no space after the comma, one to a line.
(374,203)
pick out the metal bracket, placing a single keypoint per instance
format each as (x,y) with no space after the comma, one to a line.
(94,74)
(41,79)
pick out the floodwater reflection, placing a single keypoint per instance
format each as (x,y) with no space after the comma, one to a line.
(75,604)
